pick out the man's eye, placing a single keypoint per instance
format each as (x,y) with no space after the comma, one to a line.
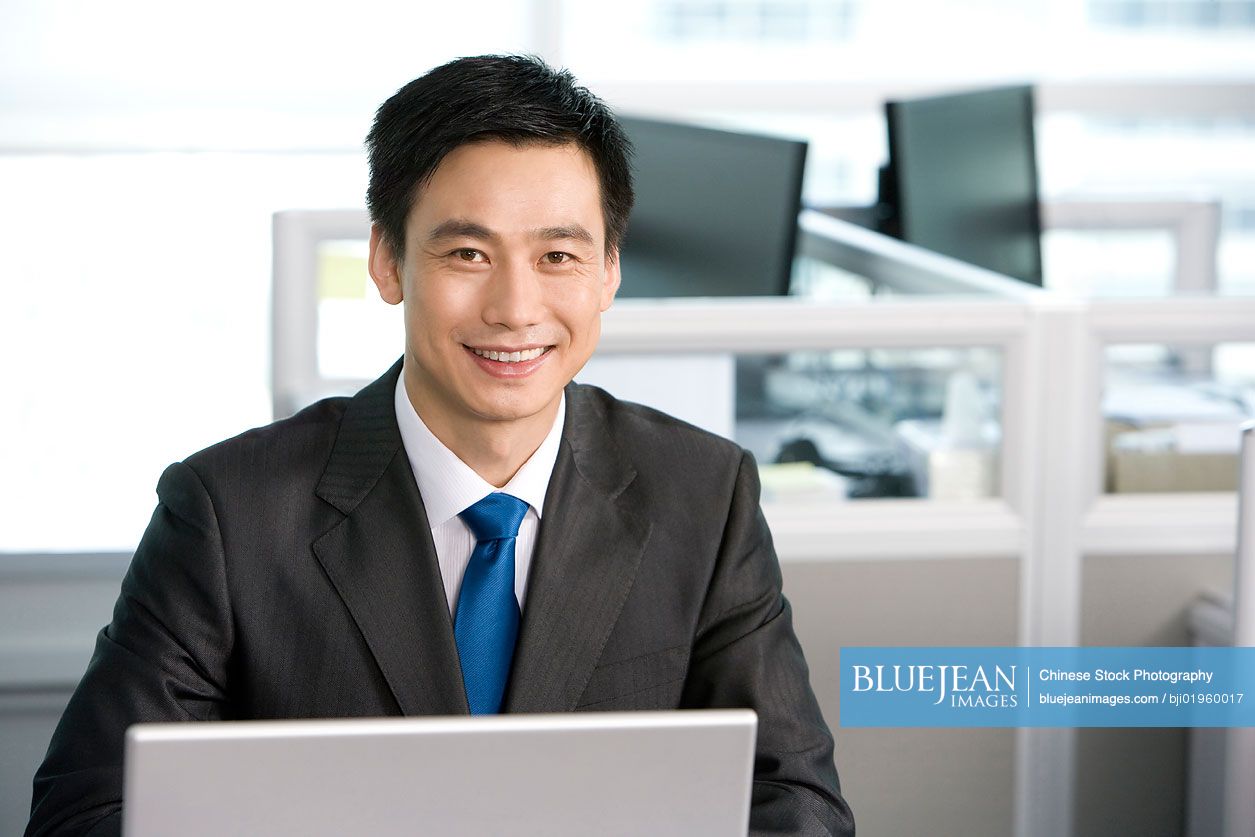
(468,254)
(557,257)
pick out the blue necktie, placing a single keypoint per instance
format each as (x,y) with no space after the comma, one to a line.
(487,620)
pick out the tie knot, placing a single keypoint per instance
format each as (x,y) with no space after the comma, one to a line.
(495,517)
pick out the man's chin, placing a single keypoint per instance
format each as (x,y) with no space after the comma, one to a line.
(517,409)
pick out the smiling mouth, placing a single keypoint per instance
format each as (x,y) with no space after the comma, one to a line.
(511,357)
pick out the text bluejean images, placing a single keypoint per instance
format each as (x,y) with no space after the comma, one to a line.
(1047,687)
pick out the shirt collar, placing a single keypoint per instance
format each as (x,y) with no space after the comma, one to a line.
(448,485)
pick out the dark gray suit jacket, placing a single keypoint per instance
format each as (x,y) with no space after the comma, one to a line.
(290,573)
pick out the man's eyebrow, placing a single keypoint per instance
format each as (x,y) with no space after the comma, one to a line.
(573,232)
(461,228)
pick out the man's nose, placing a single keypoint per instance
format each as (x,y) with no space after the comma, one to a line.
(514,296)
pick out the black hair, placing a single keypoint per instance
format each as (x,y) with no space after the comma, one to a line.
(512,98)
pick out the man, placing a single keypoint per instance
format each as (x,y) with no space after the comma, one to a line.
(471,532)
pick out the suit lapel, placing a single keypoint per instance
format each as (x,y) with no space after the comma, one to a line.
(381,558)
(585,560)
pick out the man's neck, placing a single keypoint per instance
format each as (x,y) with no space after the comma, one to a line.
(493,449)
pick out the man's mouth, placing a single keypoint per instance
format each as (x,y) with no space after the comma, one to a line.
(511,357)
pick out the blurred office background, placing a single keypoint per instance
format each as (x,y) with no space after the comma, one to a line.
(1048,466)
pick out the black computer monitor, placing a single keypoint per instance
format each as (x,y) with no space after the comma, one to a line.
(716,212)
(962,179)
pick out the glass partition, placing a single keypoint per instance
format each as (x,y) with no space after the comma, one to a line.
(864,423)
(1171,415)
(359,335)
(1106,263)
(835,424)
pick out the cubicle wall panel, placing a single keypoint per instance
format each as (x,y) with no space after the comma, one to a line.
(26,723)
(1130,781)
(51,607)
(1145,600)
(1133,781)
(911,781)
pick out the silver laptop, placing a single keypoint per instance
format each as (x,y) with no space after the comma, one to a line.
(570,775)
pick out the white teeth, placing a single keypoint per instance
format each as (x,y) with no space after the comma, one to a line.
(510,357)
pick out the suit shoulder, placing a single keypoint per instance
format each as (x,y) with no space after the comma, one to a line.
(637,427)
(306,436)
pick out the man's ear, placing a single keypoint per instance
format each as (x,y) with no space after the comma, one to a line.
(611,284)
(384,267)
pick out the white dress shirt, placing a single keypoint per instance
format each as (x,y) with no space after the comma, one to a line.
(448,486)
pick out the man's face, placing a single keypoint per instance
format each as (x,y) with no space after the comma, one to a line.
(504,279)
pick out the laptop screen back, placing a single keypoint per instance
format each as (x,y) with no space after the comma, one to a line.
(656,773)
